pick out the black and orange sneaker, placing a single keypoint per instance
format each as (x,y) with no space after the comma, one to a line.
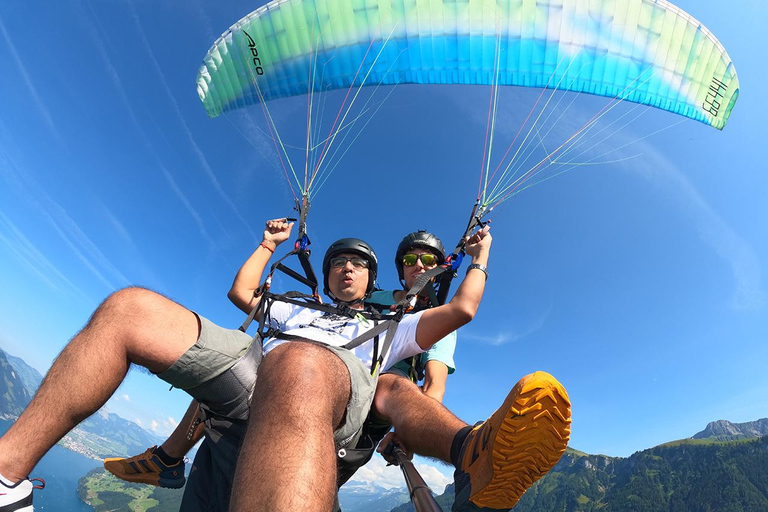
(147,468)
(504,455)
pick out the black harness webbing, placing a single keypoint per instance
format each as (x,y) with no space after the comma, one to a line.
(382,323)
(424,281)
(310,280)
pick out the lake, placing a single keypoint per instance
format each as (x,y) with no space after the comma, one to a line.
(61,469)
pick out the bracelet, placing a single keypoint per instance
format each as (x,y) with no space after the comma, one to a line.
(262,244)
(478,266)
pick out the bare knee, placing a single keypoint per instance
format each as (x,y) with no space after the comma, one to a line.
(392,389)
(152,330)
(128,302)
(305,365)
(298,374)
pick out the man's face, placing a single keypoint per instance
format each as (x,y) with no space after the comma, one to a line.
(347,279)
(411,273)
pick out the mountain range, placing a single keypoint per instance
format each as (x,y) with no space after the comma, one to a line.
(102,435)
(722,468)
(14,395)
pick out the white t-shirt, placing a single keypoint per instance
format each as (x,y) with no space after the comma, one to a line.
(338,330)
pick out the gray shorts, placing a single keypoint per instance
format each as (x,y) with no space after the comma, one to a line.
(363,387)
(216,351)
(216,372)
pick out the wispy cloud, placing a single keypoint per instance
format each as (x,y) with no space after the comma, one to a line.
(60,221)
(44,112)
(127,398)
(33,259)
(142,272)
(496,339)
(197,7)
(204,165)
(507,336)
(748,293)
(98,38)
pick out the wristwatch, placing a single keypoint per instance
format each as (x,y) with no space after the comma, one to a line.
(479,267)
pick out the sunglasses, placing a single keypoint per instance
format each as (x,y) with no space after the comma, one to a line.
(427,259)
(341,262)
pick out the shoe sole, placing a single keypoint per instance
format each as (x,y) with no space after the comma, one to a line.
(144,478)
(531,431)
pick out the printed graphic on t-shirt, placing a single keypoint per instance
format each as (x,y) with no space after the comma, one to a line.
(329,322)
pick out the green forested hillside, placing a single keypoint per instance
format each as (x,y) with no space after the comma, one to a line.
(105,493)
(686,476)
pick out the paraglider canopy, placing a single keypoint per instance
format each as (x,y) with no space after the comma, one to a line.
(643,51)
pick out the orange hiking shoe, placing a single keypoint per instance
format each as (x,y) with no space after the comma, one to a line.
(503,456)
(147,468)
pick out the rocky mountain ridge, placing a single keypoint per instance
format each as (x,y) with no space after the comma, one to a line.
(724,430)
(104,434)
(14,396)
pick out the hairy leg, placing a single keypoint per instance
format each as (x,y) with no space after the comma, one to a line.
(421,423)
(179,442)
(133,325)
(288,458)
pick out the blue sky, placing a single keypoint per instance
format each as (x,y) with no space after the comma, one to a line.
(638,283)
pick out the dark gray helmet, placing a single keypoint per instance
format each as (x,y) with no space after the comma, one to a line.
(353,245)
(422,240)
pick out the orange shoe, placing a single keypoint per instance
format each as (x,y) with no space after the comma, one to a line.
(503,456)
(147,468)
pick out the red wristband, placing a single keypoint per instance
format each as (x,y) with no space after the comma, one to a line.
(262,244)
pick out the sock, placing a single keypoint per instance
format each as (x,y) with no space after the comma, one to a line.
(167,459)
(458,442)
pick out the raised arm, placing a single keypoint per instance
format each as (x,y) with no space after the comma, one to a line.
(248,277)
(438,322)
(435,375)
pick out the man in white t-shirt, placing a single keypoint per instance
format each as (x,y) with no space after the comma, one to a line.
(164,465)
(486,477)
(311,394)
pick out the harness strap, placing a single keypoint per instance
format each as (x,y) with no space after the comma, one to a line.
(303,254)
(391,329)
(423,281)
(367,335)
(300,278)
(382,323)
(310,280)
(413,372)
(375,350)
(310,303)
(327,308)
(389,325)
(251,316)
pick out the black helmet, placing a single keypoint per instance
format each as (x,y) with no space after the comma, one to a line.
(354,245)
(420,239)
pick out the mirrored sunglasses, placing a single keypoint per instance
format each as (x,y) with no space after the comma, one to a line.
(427,259)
